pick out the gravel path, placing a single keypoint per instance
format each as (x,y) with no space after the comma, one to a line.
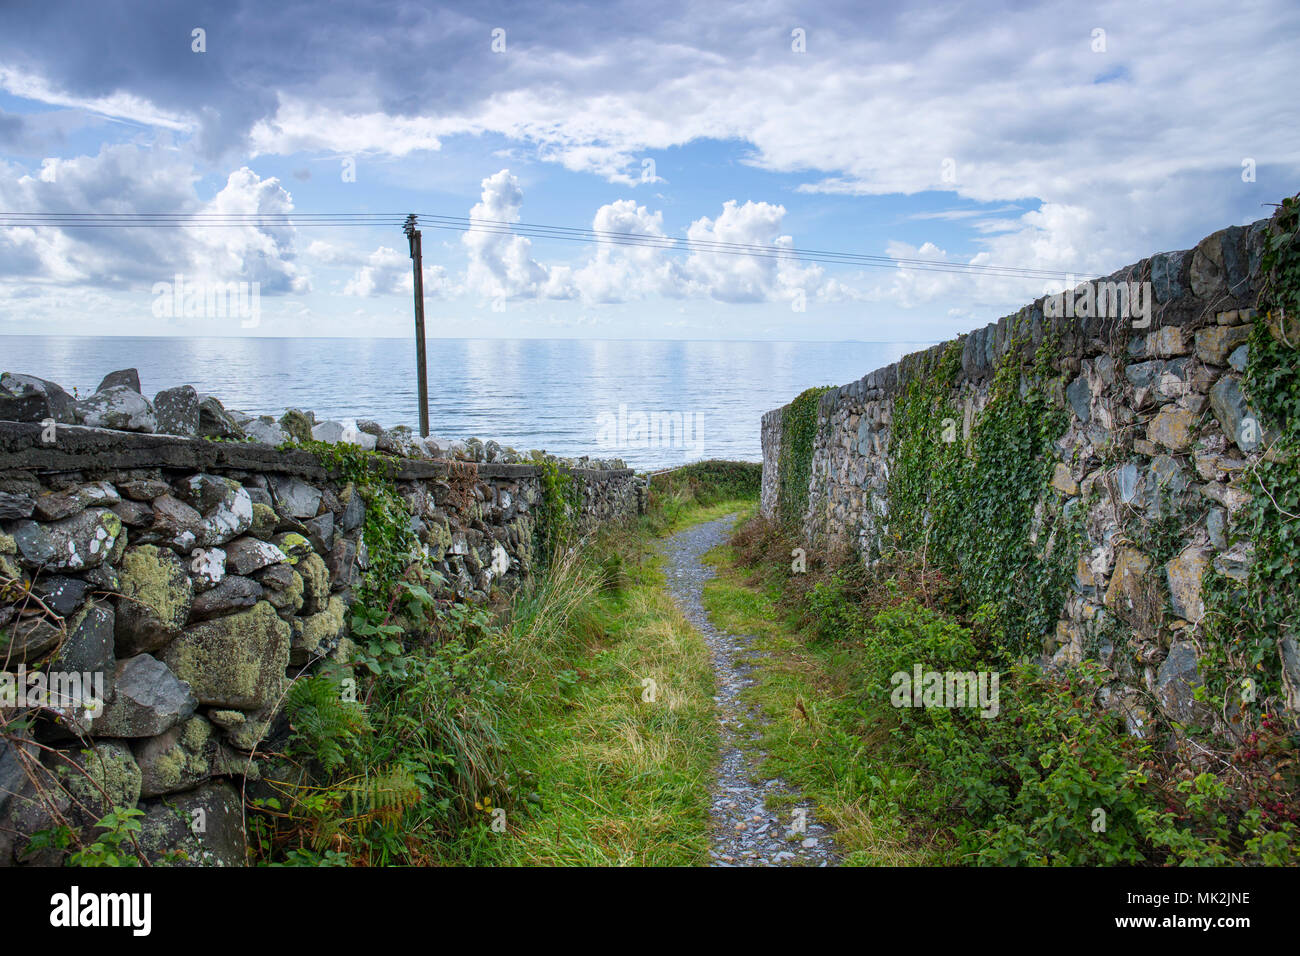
(745,831)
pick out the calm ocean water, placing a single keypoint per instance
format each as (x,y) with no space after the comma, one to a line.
(570,397)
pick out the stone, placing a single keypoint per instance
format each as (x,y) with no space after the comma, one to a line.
(167,828)
(1176,683)
(101,778)
(175,524)
(1206,275)
(246,555)
(295,497)
(282,586)
(177,411)
(126,378)
(1214,344)
(155,601)
(184,756)
(16,505)
(297,425)
(354,509)
(235,661)
(293,545)
(233,593)
(216,422)
(1239,358)
(1216,526)
(146,489)
(345,432)
(62,595)
(1184,574)
(1172,427)
(265,433)
(1167,341)
(1126,481)
(1078,393)
(207,567)
(65,504)
(264,520)
(90,644)
(26,398)
(1239,423)
(315,583)
(226,509)
(147,700)
(1124,594)
(315,634)
(320,532)
(73,544)
(1236,562)
(134,514)
(1166,270)
(120,408)
(1063,481)
(28,639)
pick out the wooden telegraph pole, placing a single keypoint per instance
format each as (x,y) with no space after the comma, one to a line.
(413,236)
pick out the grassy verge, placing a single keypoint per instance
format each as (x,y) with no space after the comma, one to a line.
(813,738)
(1046,775)
(617,779)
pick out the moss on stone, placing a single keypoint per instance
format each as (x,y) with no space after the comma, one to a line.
(234,661)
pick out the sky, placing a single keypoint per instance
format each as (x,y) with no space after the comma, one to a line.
(1056,136)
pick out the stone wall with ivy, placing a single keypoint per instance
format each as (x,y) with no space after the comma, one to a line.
(1120,488)
(190,580)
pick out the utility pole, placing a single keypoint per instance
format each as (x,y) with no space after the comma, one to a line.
(413,236)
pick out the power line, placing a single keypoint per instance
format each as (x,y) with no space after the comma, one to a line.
(541,231)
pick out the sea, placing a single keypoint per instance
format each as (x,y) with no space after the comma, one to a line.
(654,404)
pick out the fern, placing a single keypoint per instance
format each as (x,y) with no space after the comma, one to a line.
(326,727)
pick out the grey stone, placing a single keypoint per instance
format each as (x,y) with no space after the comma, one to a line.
(175,524)
(73,544)
(28,639)
(225,507)
(144,489)
(246,555)
(127,377)
(169,827)
(1080,396)
(16,505)
(346,432)
(155,602)
(1239,357)
(26,398)
(147,700)
(236,661)
(118,407)
(207,567)
(1229,406)
(89,648)
(295,497)
(1176,683)
(1166,268)
(180,758)
(177,411)
(233,593)
(265,432)
(65,504)
(62,595)
(215,421)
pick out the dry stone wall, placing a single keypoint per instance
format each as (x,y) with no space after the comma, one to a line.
(188,580)
(1158,426)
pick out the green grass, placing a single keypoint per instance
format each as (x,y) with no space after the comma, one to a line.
(813,737)
(616,780)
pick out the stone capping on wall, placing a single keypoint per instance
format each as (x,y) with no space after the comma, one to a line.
(78,448)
